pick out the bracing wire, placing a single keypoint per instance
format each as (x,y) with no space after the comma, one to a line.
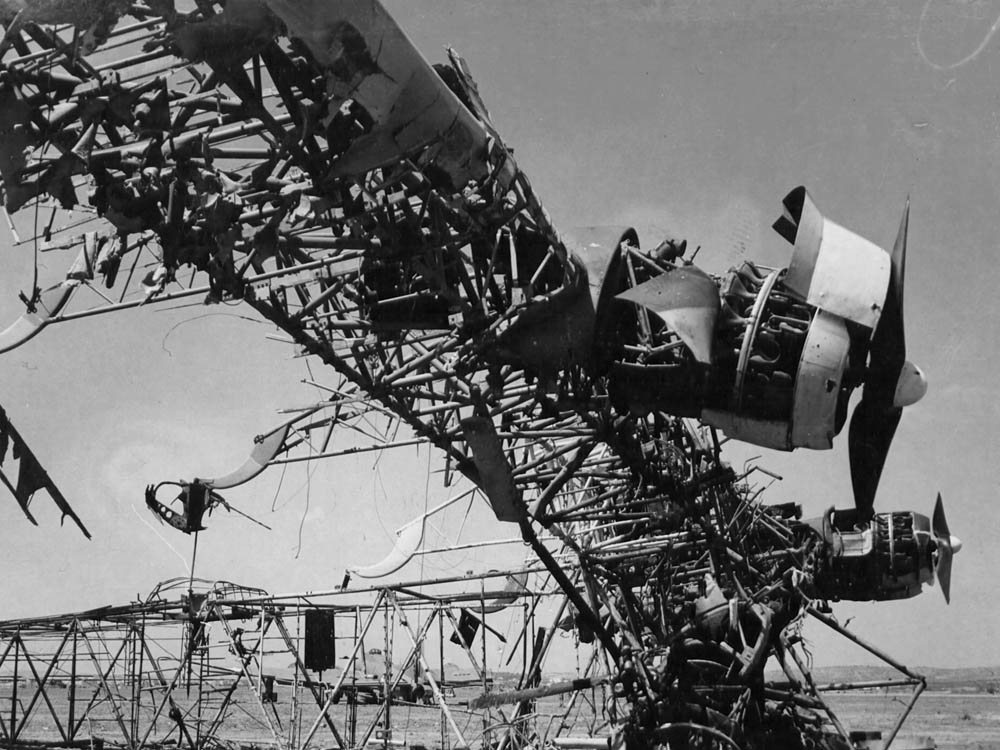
(305,511)
(163,343)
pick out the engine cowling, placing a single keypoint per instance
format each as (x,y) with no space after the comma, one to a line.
(769,356)
(892,557)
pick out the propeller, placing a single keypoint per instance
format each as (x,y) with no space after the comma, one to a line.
(947,546)
(890,384)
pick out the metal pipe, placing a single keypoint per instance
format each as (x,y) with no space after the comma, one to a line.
(834,625)
(358,644)
(348,451)
(462,743)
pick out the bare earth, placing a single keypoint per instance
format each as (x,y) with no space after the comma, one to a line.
(956,721)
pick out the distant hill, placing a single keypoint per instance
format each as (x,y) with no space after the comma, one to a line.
(959,679)
(945,679)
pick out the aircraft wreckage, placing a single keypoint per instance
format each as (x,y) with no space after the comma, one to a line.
(302,157)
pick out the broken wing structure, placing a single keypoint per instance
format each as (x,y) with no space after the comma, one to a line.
(335,181)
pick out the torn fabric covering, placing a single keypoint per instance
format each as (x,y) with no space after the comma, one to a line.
(468,626)
(320,640)
(31,476)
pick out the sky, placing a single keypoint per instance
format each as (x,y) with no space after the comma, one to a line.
(692,118)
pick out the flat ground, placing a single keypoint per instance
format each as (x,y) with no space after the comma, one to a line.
(956,721)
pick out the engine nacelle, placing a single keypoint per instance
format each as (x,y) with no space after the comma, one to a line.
(891,557)
(768,356)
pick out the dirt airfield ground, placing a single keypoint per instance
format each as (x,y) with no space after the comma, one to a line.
(956,721)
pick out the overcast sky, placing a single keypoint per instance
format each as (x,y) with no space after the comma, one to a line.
(689,117)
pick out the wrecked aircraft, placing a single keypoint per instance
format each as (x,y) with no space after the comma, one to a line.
(304,158)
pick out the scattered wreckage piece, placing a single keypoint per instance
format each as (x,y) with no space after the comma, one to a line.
(196,499)
(31,477)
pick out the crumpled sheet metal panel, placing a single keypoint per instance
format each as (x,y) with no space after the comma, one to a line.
(832,267)
(368,58)
(496,479)
(687,300)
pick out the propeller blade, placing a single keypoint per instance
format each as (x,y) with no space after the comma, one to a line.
(943,571)
(888,347)
(877,415)
(939,523)
(871,433)
(899,254)
(947,546)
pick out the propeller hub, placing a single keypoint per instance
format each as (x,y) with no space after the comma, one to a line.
(955,543)
(910,387)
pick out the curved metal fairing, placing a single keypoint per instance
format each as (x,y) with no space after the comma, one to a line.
(408,541)
(258,460)
(50,302)
(832,268)
(30,323)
